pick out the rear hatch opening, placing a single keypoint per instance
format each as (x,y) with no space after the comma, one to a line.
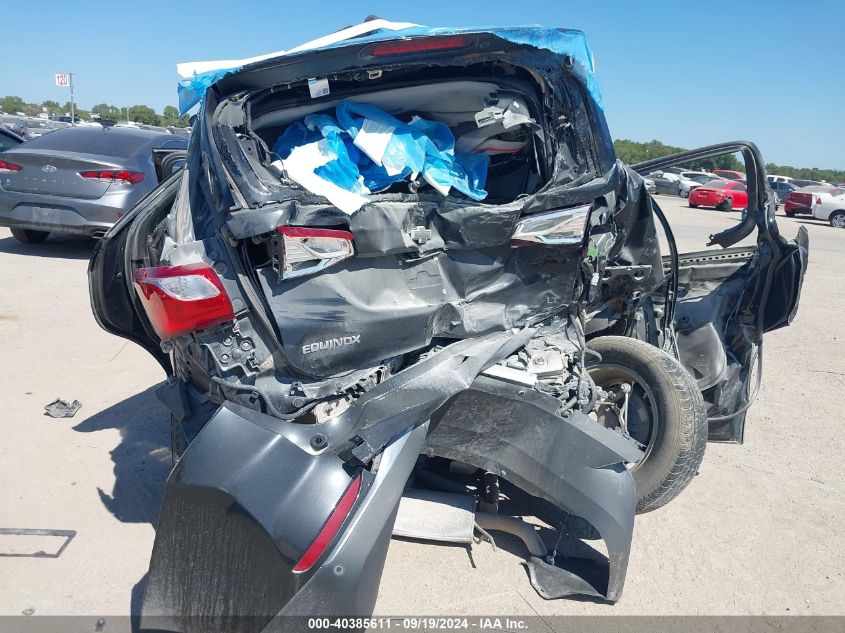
(471,100)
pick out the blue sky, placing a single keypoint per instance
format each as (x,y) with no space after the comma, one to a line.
(685,72)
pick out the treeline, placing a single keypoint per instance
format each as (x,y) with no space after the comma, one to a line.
(137,113)
(633,152)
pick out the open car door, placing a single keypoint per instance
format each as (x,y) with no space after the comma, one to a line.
(728,299)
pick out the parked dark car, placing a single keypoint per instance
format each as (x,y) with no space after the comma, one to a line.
(82,179)
(782,190)
(419,326)
(666,186)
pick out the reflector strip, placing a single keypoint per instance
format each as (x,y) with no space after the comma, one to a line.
(331,527)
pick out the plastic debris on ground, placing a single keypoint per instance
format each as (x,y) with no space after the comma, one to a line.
(62,409)
(365,150)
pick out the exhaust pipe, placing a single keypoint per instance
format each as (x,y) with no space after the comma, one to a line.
(519,528)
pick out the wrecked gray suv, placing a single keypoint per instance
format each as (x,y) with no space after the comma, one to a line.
(346,325)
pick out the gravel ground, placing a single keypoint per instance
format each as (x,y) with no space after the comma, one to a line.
(759,530)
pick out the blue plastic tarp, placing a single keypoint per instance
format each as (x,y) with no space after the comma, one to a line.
(364,150)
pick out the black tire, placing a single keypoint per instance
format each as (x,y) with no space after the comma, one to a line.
(837,219)
(726,205)
(30,236)
(694,206)
(675,445)
(789,214)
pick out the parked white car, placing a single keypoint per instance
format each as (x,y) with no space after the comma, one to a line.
(830,205)
(689,180)
(775,178)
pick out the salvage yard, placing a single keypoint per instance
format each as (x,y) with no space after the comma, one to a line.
(759,531)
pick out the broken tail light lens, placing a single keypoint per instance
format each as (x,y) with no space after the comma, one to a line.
(299,251)
(6,166)
(182,299)
(419,45)
(330,528)
(563,226)
(113,175)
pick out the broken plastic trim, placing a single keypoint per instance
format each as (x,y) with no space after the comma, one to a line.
(305,251)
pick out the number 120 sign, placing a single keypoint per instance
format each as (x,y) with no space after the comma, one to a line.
(62,80)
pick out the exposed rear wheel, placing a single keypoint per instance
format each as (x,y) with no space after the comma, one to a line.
(837,219)
(658,403)
(29,236)
(726,205)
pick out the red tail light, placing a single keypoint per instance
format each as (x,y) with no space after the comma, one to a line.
(7,166)
(419,45)
(331,527)
(113,175)
(818,200)
(182,299)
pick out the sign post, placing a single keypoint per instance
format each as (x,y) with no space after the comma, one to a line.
(65,80)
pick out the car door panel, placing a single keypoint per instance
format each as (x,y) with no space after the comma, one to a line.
(113,300)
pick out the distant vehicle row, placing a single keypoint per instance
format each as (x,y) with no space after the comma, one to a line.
(82,179)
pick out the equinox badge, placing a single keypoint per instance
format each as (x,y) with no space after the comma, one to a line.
(331,343)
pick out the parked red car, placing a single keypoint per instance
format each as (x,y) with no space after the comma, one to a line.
(729,174)
(724,195)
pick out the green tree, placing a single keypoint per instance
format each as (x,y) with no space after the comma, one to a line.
(12,105)
(169,116)
(144,114)
(634,152)
(107,111)
(52,106)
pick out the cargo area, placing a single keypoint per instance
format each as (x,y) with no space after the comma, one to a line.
(493,112)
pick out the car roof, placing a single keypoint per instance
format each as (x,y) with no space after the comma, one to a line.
(104,137)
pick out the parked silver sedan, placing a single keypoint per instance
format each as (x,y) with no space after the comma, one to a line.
(82,179)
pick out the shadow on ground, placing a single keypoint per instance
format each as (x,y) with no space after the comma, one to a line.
(142,460)
(60,246)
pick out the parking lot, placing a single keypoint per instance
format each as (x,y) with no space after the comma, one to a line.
(759,531)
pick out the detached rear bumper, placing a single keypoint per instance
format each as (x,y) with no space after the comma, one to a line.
(575,463)
(243,503)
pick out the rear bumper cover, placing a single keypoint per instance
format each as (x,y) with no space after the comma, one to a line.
(62,215)
(249,494)
(244,501)
(573,462)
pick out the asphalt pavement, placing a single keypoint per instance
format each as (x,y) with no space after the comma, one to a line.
(758,531)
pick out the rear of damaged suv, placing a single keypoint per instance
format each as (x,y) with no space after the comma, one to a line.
(318,340)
